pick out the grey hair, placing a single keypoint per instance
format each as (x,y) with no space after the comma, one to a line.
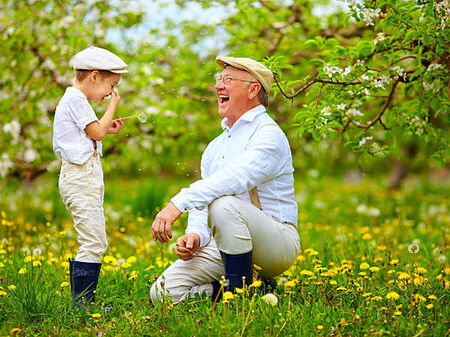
(263,97)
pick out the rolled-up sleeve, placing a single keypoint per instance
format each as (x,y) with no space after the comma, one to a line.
(81,113)
(262,160)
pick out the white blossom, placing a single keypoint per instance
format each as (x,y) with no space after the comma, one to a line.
(326,111)
(14,129)
(30,155)
(364,140)
(380,82)
(346,71)
(399,71)
(5,165)
(379,38)
(330,70)
(434,66)
(354,112)
(341,106)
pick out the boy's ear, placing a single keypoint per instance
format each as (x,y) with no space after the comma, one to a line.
(94,75)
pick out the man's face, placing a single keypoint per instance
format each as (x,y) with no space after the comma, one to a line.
(233,97)
(102,87)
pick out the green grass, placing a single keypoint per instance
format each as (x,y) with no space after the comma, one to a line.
(355,241)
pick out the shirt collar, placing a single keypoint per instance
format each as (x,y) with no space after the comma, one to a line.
(248,116)
(77,92)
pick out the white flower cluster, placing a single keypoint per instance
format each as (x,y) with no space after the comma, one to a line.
(418,124)
(379,38)
(399,71)
(434,66)
(354,113)
(443,12)
(364,140)
(331,70)
(14,129)
(381,81)
(5,165)
(368,14)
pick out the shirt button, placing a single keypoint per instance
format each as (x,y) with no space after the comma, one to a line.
(229,136)
(223,157)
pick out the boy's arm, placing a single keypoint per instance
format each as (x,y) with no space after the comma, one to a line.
(98,130)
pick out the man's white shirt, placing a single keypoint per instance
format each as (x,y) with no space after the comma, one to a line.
(254,152)
(72,115)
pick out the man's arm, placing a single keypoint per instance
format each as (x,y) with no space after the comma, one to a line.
(266,157)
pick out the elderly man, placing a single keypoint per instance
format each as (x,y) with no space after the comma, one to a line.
(242,212)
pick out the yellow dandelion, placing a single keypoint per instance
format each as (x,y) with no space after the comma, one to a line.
(313,253)
(289,284)
(65,264)
(133,277)
(22,270)
(374,269)
(333,282)
(367,236)
(421,270)
(403,276)
(12,287)
(377,298)
(357,316)
(28,259)
(15,331)
(429,306)
(394,262)
(1,265)
(418,281)
(366,294)
(300,258)
(364,265)
(306,273)
(398,313)
(132,259)
(3,293)
(392,296)
(341,288)
(125,265)
(37,263)
(256,284)
(227,296)
(432,297)
(447,270)
(96,316)
(319,327)
(239,290)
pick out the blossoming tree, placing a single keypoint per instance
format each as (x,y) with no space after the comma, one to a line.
(370,79)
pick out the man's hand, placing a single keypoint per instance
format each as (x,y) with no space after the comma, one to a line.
(116,126)
(187,245)
(162,225)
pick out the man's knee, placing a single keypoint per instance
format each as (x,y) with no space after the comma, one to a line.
(163,289)
(221,209)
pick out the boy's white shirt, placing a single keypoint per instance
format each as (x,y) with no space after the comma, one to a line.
(72,115)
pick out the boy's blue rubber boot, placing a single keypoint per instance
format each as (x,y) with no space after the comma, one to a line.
(83,282)
(237,266)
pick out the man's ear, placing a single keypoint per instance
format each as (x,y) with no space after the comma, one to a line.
(254,90)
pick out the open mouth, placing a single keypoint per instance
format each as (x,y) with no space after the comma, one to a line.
(223,99)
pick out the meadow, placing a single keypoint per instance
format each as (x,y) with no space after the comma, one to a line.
(374,262)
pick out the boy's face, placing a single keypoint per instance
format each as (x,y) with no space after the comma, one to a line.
(101,86)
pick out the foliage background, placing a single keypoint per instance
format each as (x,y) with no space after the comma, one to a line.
(362,94)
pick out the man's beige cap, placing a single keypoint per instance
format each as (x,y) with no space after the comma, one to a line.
(262,74)
(95,58)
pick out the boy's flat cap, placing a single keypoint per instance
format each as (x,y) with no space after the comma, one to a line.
(262,74)
(95,58)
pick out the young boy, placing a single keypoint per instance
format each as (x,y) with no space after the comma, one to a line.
(77,135)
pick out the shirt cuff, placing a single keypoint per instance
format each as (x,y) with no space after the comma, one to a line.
(180,202)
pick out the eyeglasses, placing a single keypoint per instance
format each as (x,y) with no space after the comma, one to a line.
(228,79)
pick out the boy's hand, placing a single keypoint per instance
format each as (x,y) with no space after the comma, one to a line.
(116,126)
(114,100)
(187,245)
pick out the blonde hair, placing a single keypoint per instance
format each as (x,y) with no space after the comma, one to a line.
(81,74)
